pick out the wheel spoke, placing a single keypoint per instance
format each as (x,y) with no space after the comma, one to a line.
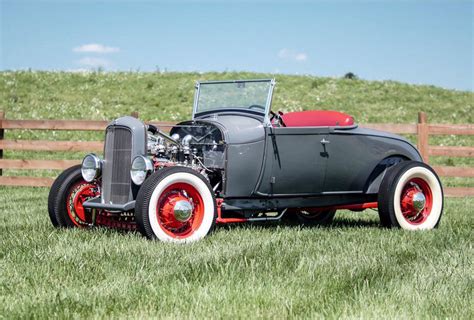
(80,193)
(416,201)
(179,210)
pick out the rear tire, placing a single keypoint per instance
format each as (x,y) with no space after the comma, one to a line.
(311,217)
(156,209)
(411,197)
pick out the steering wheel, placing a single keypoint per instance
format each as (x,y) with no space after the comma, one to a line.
(273,114)
(278,117)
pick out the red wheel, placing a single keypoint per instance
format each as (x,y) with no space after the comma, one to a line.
(79,193)
(411,197)
(180,210)
(68,192)
(416,201)
(175,204)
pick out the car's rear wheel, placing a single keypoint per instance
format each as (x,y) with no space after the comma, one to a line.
(311,216)
(411,197)
(175,204)
(68,192)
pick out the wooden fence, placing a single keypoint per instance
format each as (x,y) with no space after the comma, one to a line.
(422,130)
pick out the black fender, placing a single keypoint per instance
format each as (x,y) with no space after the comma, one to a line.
(375,179)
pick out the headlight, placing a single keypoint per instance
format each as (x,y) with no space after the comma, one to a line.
(91,167)
(141,167)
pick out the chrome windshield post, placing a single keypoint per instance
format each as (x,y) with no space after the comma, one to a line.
(197,86)
(268,106)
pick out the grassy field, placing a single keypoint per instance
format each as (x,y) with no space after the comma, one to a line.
(352,269)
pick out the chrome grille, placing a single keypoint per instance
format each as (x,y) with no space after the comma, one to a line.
(116,182)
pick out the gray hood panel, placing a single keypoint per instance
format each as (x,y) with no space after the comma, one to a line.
(238,129)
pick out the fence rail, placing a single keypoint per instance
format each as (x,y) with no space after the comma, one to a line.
(422,129)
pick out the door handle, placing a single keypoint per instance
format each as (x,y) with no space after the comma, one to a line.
(324,141)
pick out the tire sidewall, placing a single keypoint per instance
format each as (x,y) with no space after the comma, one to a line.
(437,194)
(70,180)
(54,195)
(391,190)
(150,192)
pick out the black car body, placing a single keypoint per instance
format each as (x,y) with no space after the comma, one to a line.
(253,161)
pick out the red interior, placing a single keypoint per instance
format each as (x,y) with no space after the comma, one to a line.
(317,118)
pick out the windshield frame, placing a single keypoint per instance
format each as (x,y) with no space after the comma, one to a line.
(264,114)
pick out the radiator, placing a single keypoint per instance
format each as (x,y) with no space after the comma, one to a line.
(116,182)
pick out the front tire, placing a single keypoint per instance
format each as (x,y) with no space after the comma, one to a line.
(411,197)
(65,199)
(175,204)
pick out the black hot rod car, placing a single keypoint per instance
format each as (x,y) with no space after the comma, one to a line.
(237,161)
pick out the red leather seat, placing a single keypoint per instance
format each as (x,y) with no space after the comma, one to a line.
(317,118)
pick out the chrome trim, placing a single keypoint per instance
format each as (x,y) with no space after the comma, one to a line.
(183,210)
(148,163)
(197,86)
(168,138)
(96,203)
(275,218)
(118,149)
(419,201)
(147,169)
(235,81)
(97,166)
(266,120)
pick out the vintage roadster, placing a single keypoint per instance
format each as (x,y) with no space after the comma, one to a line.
(238,161)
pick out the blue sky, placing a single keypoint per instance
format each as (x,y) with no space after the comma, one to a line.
(421,42)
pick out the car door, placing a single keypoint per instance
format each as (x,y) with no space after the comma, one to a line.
(296,161)
(351,158)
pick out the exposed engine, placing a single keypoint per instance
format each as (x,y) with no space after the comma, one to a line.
(197,146)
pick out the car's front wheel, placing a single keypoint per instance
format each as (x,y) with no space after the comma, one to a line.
(66,196)
(175,204)
(410,197)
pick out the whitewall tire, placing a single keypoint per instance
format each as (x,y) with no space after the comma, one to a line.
(177,205)
(411,197)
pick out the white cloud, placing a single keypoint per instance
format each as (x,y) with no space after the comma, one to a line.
(95,48)
(94,62)
(288,54)
(301,57)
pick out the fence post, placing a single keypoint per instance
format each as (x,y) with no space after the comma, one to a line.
(134,114)
(423,136)
(2,133)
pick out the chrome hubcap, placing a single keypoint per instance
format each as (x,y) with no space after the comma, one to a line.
(419,201)
(183,210)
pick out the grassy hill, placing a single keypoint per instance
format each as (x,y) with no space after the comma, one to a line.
(169,96)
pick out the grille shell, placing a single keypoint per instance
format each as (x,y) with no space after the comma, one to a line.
(116,182)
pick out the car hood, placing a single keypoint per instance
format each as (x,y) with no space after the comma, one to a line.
(237,129)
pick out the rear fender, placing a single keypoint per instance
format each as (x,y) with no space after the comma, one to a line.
(376,177)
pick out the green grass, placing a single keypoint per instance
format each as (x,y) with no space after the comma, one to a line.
(352,269)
